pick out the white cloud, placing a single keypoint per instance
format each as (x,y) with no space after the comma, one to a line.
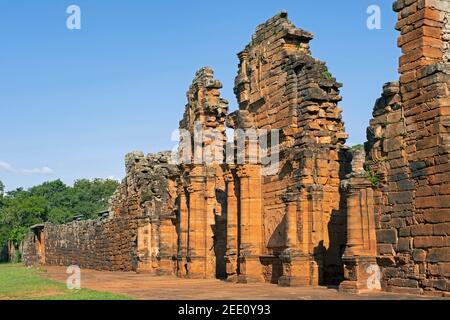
(44,170)
(6,167)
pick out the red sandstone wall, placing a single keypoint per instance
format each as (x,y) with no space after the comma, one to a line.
(280,86)
(409,153)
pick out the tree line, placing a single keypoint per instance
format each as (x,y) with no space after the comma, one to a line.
(53,202)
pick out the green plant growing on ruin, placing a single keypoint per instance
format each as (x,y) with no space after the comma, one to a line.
(356,147)
(373,179)
(381,160)
(327,75)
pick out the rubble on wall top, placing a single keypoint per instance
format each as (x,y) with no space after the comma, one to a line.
(443,5)
(205,77)
(359,158)
(280,24)
(391,88)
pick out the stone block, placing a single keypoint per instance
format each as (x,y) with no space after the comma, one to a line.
(422,230)
(387,236)
(431,242)
(404,245)
(419,255)
(436,255)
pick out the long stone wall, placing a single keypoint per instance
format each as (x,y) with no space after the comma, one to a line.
(103,245)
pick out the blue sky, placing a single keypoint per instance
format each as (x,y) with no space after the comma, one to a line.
(74,102)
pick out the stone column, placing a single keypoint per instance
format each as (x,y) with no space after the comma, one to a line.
(144,246)
(210,221)
(291,241)
(361,271)
(317,248)
(232,228)
(251,229)
(183,235)
(196,255)
(166,250)
(154,242)
(301,260)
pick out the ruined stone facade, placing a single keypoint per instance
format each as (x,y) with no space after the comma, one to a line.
(296,212)
(373,219)
(409,155)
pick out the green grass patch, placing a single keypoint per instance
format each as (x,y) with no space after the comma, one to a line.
(20,283)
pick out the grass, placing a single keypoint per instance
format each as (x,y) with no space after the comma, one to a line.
(20,283)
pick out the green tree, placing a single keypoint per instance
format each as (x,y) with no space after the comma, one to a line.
(24,210)
(52,202)
(91,196)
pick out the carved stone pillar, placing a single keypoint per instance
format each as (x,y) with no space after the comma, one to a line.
(210,221)
(297,265)
(291,240)
(166,248)
(154,242)
(196,254)
(243,81)
(359,259)
(317,247)
(144,246)
(360,264)
(251,229)
(183,232)
(232,227)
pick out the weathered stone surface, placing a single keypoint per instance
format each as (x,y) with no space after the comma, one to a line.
(387,236)
(280,86)
(408,148)
(319,218)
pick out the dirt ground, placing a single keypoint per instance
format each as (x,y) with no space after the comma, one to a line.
(148,287)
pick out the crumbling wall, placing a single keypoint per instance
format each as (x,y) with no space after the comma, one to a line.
(409,155)
(202,211)
(215,217)
(119,241)
(280,86)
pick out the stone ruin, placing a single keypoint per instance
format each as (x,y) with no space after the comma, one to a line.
(367,219)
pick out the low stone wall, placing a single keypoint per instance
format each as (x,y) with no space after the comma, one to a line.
(101,244)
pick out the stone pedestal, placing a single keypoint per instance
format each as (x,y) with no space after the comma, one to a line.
(251,270)
(299,270)
(362,275)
